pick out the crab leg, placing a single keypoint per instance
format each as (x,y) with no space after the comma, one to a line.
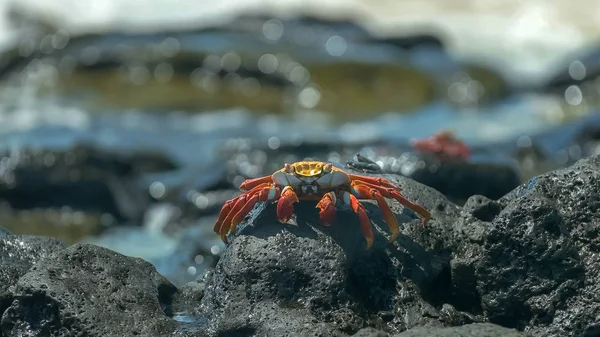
(285,205)
(228,206)
(362,191)
(253,183)
(263,195)
(326,205)
(243,205)
(393,194)
(373,181)
(223,213)
(359,209)
(237,206)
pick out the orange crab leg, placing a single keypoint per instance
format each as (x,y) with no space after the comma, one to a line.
(393,194)
(263,195)
(363,191)
(326,205)
(228,206)
(253,183)
(285,205)
(237,206)
(374,181)
(359,209)
(223,213)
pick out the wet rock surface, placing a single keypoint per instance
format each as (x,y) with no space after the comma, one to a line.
(90,291)
(18,253)
(541,254)
(470,330)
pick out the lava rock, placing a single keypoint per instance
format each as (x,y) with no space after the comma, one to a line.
(190,294)
(18,253)
(470,330)
(482,208)
(540,260)
(91,291)
(370,332)
(306,279)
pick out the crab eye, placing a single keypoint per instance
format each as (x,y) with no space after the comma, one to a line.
(327,167)
(288,168)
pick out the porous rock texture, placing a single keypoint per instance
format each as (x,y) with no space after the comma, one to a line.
(527,262)
(539,267)
(469,330)
(18,253)
(86,290)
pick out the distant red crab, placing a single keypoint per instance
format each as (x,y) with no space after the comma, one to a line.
(444,145)
(314,180)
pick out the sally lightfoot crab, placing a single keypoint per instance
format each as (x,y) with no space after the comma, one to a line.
(314,180)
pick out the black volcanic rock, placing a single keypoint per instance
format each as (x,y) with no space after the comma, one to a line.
(18,253)
(469,330)
(86,290)
(540,257)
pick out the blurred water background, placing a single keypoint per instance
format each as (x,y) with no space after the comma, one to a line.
(128,123)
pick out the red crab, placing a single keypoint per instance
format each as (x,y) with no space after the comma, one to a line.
(444,145)
(314,180)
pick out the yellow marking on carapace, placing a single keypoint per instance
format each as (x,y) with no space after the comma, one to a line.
(308,168)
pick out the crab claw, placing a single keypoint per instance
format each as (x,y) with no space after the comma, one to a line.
(285,205)
(327,210)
